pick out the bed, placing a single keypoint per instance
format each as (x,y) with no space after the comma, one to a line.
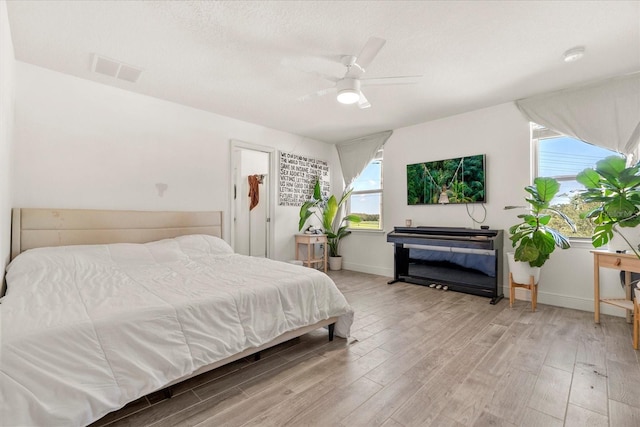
(103,307)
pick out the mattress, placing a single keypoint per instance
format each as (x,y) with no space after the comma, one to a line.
(87,329)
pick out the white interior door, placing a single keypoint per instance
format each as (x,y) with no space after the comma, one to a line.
(252,199)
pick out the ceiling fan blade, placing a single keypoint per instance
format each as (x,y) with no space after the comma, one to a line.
(363,102)
(317,94)
(317,64)
(397,80)
(369,52)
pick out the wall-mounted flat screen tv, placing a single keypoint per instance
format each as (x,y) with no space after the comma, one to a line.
(459,180)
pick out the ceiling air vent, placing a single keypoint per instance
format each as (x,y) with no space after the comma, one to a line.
(115,69)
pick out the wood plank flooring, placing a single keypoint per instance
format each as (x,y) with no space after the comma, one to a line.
(420,357)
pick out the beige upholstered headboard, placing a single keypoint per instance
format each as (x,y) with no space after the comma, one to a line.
(34,228)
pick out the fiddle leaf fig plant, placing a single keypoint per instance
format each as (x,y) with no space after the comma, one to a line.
(533,238)
(327,210)
(616,188)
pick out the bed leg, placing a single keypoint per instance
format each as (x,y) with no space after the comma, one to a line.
(331,329)
(256,357)
(168,392)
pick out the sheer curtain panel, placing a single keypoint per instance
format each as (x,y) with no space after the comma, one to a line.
(605,113)
(356,154)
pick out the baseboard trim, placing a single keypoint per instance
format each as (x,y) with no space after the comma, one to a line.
(566,301)
(549,298)
(363,268)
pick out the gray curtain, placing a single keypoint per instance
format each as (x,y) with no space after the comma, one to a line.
(605,113)
(356,154)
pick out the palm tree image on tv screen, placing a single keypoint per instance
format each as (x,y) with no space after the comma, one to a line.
(459,180)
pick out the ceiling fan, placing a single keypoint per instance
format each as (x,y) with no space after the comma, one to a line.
(349,86)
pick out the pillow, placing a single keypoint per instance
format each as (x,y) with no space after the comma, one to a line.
(77,256)
(203,244)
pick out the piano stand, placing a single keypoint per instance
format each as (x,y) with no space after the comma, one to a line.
(494,300)
(465,260)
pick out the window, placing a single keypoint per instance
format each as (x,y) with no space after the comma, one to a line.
(562,157)
(366,198)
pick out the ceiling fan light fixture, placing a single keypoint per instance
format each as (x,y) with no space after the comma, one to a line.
(348,96)
(348,91)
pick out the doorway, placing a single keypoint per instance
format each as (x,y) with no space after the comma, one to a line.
(252,190)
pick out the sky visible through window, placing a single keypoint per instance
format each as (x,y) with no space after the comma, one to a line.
(566,157)
(369,179)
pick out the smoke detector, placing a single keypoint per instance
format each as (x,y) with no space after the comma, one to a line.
(573,54)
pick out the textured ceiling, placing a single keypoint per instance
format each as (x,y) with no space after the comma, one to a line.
(254,60)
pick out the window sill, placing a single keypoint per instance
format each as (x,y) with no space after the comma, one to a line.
(584,244)
(366,231)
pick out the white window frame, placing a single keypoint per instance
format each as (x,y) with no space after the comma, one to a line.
(538,133)
(380,158)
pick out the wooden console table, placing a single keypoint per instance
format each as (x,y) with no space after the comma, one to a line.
(627,262)
(310,240)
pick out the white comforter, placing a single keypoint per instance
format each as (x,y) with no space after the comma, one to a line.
(86,329)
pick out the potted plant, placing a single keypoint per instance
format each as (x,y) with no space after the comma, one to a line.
(327,211)
(533,239)
(616,188)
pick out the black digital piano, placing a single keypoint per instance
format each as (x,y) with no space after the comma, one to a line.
(460,259)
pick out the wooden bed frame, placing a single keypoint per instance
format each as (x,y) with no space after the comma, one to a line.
(33,228)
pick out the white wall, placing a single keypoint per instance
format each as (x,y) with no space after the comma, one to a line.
(502,134)
(7,99)
(80,144)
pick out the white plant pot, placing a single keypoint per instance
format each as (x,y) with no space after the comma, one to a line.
(522,270)
(335,263)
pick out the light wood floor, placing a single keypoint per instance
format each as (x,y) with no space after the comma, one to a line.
(421,357)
